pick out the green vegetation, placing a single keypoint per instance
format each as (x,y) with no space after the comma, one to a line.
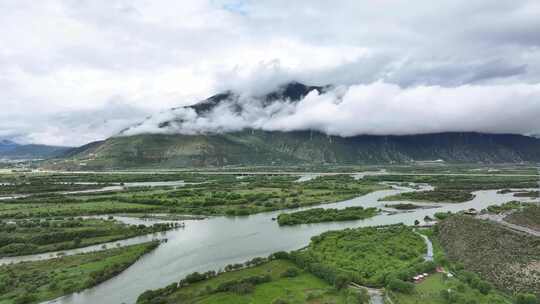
(319,215)
(220,195)
(377,256)
(367,256)
(462,287)
(454,189)
(98,178)
(507,259)
(62,207)
(528,217)
(256,147)
(533,194)
(439,289)
(508,206)
(34,282)
(275,281)
(403,206)
(43,187)
(23,237)
(451,196)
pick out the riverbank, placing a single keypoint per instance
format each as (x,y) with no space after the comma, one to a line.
(213,243)
(34,282)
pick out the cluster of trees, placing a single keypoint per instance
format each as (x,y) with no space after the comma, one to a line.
(318,215)
(437,195)
(402,206)
(442,215)
(34,282)
(526,298)
(368,256)
(35,236)
(512,205)
(103,178)
(453,188)
(243,286)
(240,286)
(462,183)
(474,281)
(43,187)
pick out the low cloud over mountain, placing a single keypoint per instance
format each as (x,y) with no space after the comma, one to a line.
(378,108)
(62,58)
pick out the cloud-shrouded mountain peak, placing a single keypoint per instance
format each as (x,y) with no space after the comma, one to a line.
(374,109)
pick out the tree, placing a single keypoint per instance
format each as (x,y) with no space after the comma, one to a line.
(360,296)
(401,286)
(484,287)
(526,298)
(341,281)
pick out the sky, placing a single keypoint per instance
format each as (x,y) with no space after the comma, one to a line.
(75,71)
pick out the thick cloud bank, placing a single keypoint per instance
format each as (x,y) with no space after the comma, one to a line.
(376,109)
(63,62)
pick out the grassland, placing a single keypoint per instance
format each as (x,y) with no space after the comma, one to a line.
(286,283)
(434,290)
(319,215)
(34,282)
(23,237)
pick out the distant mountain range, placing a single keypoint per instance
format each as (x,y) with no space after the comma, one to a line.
(256,147)
(13,151)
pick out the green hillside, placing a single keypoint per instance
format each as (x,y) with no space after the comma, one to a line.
(293,148)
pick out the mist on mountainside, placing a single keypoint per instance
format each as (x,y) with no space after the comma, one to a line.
(374,109)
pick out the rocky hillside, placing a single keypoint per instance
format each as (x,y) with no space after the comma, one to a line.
(508,259)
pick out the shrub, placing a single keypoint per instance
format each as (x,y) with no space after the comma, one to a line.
(442,215)
(341,281)
(526,298)
(280,255)
(401,286)
(290,273)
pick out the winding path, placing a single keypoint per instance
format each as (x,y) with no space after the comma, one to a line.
(499,219)
(429,245)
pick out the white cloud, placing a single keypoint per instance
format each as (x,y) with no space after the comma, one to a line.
(373,109)
(66,56)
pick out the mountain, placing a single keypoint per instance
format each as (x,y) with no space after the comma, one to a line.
(256,147)
(13,151)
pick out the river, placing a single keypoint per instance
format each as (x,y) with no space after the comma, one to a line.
(114,187)
(215,242)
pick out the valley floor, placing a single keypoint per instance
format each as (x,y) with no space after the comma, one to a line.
(54,216)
